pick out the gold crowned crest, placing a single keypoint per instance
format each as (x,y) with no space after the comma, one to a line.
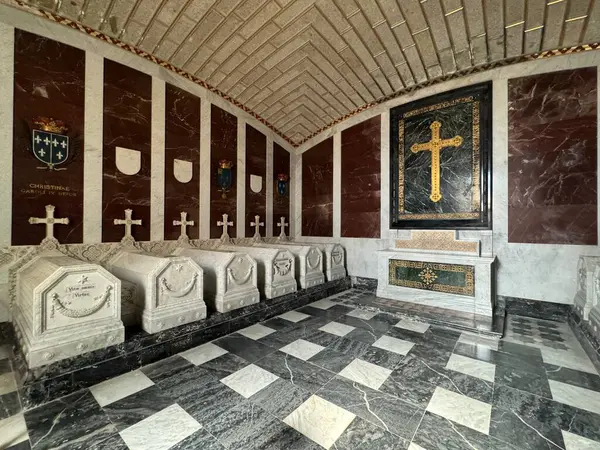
(51,125)
(225,164)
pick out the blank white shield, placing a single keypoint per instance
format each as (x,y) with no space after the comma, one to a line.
(128,161)
(183,170)
(256,183)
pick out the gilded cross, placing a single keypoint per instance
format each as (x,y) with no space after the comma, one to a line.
(434,146)
(49,221)
(128,222)
(225,224)
(183,223)
(257,224)
(282,225)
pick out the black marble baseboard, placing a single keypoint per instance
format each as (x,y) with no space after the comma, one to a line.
(364,284)
(589,340)
(558,312)
(43,384)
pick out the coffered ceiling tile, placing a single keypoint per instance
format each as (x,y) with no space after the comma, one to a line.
(170,11)
(253,75)
(264,15)
(474,15)
(330,10)
(434,71)
(153,35)
(260,97)
(555,17)
(388,69)
(415,63)
(248,94)
(93,14)
(494,15)
(133,31)
(514,11)
(452,5)
(463,59)
(411,9)
(535,14)
(366,33)
(592,33)
(215,77)
(166,49)
(533,41)
(427,49)
(197,9)
(225,7)
(248,7)
(577,17)
(223,32)
(233,61)
(514,40)
(458,31)
(237,90)
(144,11)
(230,80)
(268,78)
(437,23)
(292,11)
(479,49)
(256,58)
(260,38)
(70,9)
(287,51)
(447,60)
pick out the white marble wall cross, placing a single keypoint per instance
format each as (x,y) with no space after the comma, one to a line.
(257,224)
(128,222)
(282,225)
(49,221)
(225,224)
(183,223)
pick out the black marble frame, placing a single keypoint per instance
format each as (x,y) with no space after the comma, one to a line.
(483,93)
(46,383)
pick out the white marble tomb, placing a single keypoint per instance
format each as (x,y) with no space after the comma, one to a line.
(309,263)
(65,307)
(593,298)
(334,258)
(276,268)
(230,278)
(169,289)
(585,295)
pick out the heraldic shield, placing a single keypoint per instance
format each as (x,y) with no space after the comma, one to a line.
(50,148)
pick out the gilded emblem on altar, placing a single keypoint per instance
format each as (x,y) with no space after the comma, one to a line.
(448,278)
(49,143)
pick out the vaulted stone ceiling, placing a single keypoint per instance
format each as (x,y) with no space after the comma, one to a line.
(303,64)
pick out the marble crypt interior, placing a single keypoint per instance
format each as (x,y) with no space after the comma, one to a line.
(299,225)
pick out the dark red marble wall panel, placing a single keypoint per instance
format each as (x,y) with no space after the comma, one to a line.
(182,161)
(223,145)
(127,115)
(317,190)
(281,203)
(49,81)
(256,164)
(361,179)
(552,128)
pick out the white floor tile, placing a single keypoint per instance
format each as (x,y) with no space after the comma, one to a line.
(576,442)
(302,349)
(473,367)
(8,383)
(461,409)
(366,373)
(414,446)
(13,430)
(393,344)
(339,329)
(110,391)
(203,353)
(413,325)
(323,304)
(575,396)
(294,316)
(468,338)
(362,314)
(160,431)
(320,420)
(249,380)
(568,358)
(256,331)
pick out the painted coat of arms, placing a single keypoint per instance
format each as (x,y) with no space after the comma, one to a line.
(50,145)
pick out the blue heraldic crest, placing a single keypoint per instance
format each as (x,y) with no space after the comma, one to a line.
(50,148)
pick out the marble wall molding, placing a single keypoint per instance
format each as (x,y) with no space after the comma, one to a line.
(240,225)
(269,219)
(157,174)
(7,48)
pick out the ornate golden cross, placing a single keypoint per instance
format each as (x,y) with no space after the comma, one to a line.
(434,146)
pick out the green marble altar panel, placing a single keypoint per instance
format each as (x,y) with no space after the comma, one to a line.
(448,278)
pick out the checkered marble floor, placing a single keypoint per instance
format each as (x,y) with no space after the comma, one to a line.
(330,376)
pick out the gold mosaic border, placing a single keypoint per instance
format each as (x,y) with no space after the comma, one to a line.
(458,74)
(469,271)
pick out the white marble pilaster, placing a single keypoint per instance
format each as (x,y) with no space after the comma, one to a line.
(157,171)
(92,162)
(241,224)
(337,184)
(384,207)
(296,195)
(204,195)
(269,189)
(7,47)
